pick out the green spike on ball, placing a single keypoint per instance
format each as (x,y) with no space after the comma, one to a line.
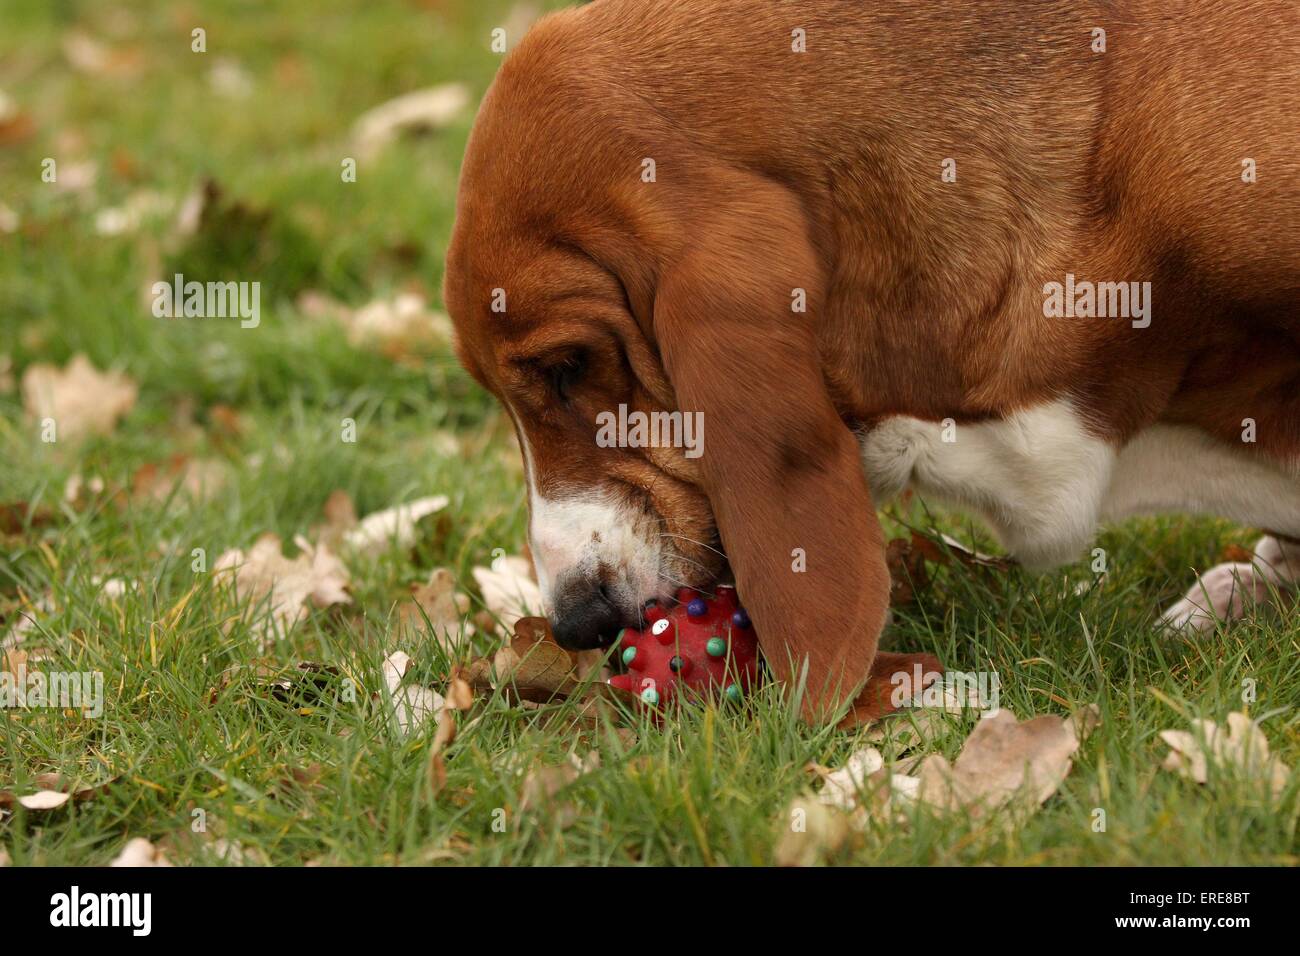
(716,647)
(733,692)
(650,696)
(618,638)
(629,655)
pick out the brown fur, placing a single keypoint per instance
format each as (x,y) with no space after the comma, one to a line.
(821,171)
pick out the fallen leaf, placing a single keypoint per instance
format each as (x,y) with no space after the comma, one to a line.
(77,177)
(509,590)
(79,398)
(445,608)
(279,588)
(412,706)
(907,573)
(299,779)
(1236,554)
(840,788)
(20,517)
(16,126)
(539,673)
(1003,762)
(228,78)
(139,852)
(139,208)
(52,793)
(91,56)
(393,527)
(197,478)
(13,661)
(815,830)
(234,853)
(421,110)
(459,694)
(44,800)
(544,785)
(340,517)
(24,619)
(941,548)
(1241,748)
(911,727)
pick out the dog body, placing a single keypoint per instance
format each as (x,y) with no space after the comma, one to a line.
(953,246)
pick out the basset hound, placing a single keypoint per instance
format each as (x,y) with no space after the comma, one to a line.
(1038,260)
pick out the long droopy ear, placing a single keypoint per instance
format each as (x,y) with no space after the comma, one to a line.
(782,470)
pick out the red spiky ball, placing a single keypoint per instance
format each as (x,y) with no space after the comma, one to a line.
(701,646)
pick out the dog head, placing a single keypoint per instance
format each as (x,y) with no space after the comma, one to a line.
(583,292)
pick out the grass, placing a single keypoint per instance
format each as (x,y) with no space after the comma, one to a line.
(712,785)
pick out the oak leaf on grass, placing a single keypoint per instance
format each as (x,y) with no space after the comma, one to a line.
(1241,748)
(278,589)
(79,398)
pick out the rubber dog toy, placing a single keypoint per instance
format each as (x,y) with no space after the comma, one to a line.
(698,648)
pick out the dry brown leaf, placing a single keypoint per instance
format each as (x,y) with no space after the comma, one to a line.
(459,694)
(140,852)
(437,771)
(421,110)
(340,517)
(544,785)
(197,478)
(79,398)
(279,589)
(509,590)
(533,668)
(815,831)
(941,548)
(1241,748)
(399,327)
(392,527)
(299,779)
(910,728)
(14,661)
(412,706)
(52,793)
(19,517)
(543,671)
(907,573)
(140,207)
(442,605)
(24,620)
(86,54)
(16,125)
(234,853)
(841,787)
(1004,762)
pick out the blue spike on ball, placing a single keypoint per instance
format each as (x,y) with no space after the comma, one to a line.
(697,608)
(740,619)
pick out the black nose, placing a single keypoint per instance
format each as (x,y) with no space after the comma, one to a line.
(585,615)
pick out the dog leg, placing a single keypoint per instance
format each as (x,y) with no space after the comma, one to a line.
(893,678)
(1227,591)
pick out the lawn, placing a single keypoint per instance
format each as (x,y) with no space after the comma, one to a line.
(108,542)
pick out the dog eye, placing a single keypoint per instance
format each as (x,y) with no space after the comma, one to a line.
(564,375)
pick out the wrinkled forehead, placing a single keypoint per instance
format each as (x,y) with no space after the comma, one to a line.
(510,299)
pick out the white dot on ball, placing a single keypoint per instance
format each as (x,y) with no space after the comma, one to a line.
(659,626)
